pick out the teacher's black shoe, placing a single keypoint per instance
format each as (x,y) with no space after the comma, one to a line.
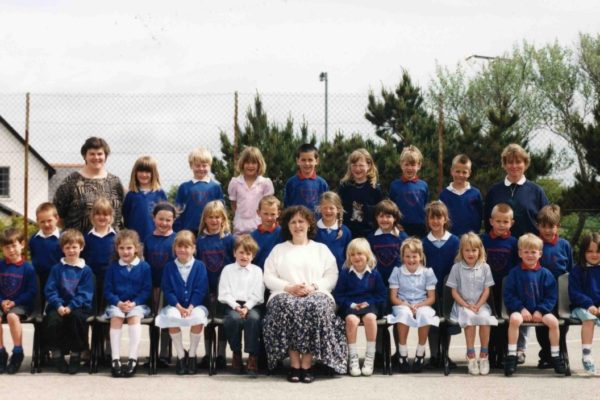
(294,375)
(307,376)
(74,362)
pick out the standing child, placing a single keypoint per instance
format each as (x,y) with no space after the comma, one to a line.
(411,193)
(360,192)
(557,257)
(268,233)
(385,242)
(144,193)
(530,295)
(215,248)
(361,295)
(44,246)
(584,293)
(242,290)
(470,280)
(192,196)
(69,294)
(441,248)
(18,288)
(524,197)
(412,293)
(246,190)
(305,188)
(184,286)
(330,230)
(158,251)
(501,249)
(127,290)
(464,202)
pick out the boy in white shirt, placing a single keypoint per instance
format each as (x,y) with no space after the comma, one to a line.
(242,290)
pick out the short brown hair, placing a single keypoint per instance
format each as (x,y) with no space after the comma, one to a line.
(462,159)
(291,212)
(388,207)
(95,143)
(502,208)
(584,244)
(45,207)
(514,151)
(530,241)
(247,243)
(412,155)
(71,236)
(269,200)
(11,235)
(437,208)
(549,215)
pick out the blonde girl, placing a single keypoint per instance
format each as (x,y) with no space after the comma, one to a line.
(361,295)
(330,230)
(214,247)
(127,290)
(470,280)
(246,190)
(412,293)
(360,191)
(144,193)
(184,286)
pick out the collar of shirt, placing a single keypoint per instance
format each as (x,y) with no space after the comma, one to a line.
(321,225)
(444,238)
(79,264)
(95,233)
(302,177)
(588,265)
(360,274)
(494,236)
(464,265)
(135,262)
(536,268)
(55,233)
(184,265)
(394,232)
(405,270)
(459,191)
(405,179)
(18,263)
(240,268)
(206,179)
(553,241)
(519,182)
(262,229)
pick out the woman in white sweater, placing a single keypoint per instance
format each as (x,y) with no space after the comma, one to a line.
(301,321)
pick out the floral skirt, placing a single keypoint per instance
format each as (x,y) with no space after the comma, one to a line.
(306,325)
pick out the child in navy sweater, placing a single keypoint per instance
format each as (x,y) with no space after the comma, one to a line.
(360,294)
(100,242)
(330,230)
(464,202)
(185,286)
(584,293)
(69,294)
(441,248)
(305,188)
(557,257)
(360,192)
(192,196)
(524,197)
(530,295)
(44,246)
(411,193)
(501,249)
(144,193)
(18,288)
(268,233)
(214,247)
(127,291)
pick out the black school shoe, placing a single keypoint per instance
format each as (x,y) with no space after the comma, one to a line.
(3,361)
(61,364)
(404,365)
(116,369)
(192,365)
(15,363)
(181,367)
(130,369)
(74,363)
(417,365)
(559,365)
(510,365)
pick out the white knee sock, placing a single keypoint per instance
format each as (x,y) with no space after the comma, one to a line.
(177,341)
(420,350)
(554,351)
(403,349)
(194,342)
(371,348)
(135,335)
(587,352)
(352,349)
(115,343)
(512,349)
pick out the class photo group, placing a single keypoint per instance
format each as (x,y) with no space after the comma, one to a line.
(294,278)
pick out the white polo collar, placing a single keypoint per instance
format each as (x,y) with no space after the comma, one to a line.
(394,232)
(360,274)
(405,270)
(55,233)
(321,225)
(444,238)
(95,233)
(135,262)
(464,265)
(186,265)
(79,264)
(206,179)
(459,191)
(519,182)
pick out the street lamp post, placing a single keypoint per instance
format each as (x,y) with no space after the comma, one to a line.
(323,78)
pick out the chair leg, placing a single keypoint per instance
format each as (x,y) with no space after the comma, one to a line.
(209,333)
(443,349)
(387,350)
(564,350)
(34,358)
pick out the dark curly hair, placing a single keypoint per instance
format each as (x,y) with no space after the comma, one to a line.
(291,212)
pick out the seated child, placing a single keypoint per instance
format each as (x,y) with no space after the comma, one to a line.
(18,288)
(242,290)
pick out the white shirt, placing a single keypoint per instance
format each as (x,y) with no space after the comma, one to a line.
(438,242)
(130,266)
(394,232)
(55,233)
(184,269)
(519,182)
(239,283)
(94,232)
(206,179)
(321,225)
(79,264)
(459,192)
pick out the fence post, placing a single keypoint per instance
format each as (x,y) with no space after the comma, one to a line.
(440,144)
(26,178)
(236,129)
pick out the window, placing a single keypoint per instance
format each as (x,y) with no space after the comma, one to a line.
(4,181)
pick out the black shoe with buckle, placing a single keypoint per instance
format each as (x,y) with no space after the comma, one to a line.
(307,376)
(294,375)
(116,369)
(510,365)
(74,362)
(130,369)
(192,365)
(15,363)
(559,365)
(404,365)
(181,366)
(417,365)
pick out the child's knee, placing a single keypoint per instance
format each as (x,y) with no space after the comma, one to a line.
(369,318)
(197,329)
(550,321)
(352,321)
(13,319)
(516,319)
